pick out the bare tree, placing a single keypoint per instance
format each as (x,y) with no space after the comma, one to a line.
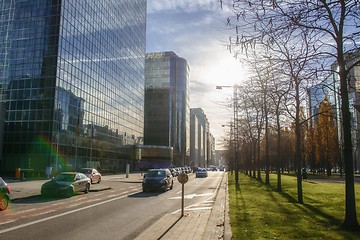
(334,25)
(279,89)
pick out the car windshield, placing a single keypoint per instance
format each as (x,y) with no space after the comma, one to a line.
(86,171)
(65,177)
(156,174)
(2,182)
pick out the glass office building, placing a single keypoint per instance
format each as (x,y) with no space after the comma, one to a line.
(71,83)
(167,104)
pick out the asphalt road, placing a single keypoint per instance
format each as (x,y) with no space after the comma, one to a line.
(122,212)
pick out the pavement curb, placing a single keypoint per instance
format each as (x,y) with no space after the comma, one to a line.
(218,226)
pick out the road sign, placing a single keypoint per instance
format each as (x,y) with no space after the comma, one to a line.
(183,178)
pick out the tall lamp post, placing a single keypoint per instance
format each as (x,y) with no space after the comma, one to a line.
(235,129)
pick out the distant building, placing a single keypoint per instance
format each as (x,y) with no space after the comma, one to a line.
(167,110)
(317,94)
(354,102)
(199,138)
(211,151)
(331,89)
(71,83)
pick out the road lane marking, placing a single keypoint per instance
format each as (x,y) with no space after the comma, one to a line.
(7,222)
(60,215)
(198,208)
(29,210)
(43,213)
(191,196)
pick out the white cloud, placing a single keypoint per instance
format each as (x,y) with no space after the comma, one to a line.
(191,29)
(182,5)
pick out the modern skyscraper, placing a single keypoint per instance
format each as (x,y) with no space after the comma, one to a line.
(167,109)
(71,83)
(200,131)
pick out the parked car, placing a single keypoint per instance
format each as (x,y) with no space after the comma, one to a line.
(4,195)
(201,172)
(66,184)
(93,174)
(157,179)
(173,172)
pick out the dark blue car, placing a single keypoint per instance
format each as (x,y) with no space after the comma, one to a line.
(157,179)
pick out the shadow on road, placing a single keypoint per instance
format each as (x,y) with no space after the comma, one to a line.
(35,199)
(40,199)
(144,194)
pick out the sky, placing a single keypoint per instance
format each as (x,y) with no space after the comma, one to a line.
(195,30)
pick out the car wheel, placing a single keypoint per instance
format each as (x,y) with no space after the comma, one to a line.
(4,203)
(70,192)
(99,180)
(87,188)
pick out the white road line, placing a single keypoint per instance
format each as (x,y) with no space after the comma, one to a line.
(204,194)
(74,205)
(43,213)
(7,222)
(60,215)
(56,204)
(198,208)
(29,210)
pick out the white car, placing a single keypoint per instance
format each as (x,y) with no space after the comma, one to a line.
(201,172)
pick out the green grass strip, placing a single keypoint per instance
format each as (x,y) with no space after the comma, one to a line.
(258,211)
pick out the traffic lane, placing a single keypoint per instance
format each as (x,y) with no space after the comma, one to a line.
(121,218)
(200,190)
(28,209)
(26,195)
(118,185)
(203,185)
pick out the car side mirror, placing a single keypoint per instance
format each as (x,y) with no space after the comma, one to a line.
(145,175)
(77,178)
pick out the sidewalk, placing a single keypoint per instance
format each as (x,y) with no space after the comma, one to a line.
(207,221)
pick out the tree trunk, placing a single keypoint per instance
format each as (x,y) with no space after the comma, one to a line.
(298,143)
(258,159)
(279,158)
(350,221)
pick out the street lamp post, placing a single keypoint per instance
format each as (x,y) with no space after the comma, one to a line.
(235,129)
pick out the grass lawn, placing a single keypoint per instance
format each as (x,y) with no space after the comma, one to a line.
(258,211)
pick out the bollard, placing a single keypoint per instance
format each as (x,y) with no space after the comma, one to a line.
(17,173)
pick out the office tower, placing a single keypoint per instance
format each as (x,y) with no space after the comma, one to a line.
(200,131)
(167,110)
(71,83)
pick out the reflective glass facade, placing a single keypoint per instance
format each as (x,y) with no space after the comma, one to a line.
(167,104)
(71,83)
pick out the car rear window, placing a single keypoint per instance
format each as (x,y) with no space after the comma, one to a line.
(65,177)
(156,174)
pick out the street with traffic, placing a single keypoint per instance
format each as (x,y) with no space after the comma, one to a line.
(118,208)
